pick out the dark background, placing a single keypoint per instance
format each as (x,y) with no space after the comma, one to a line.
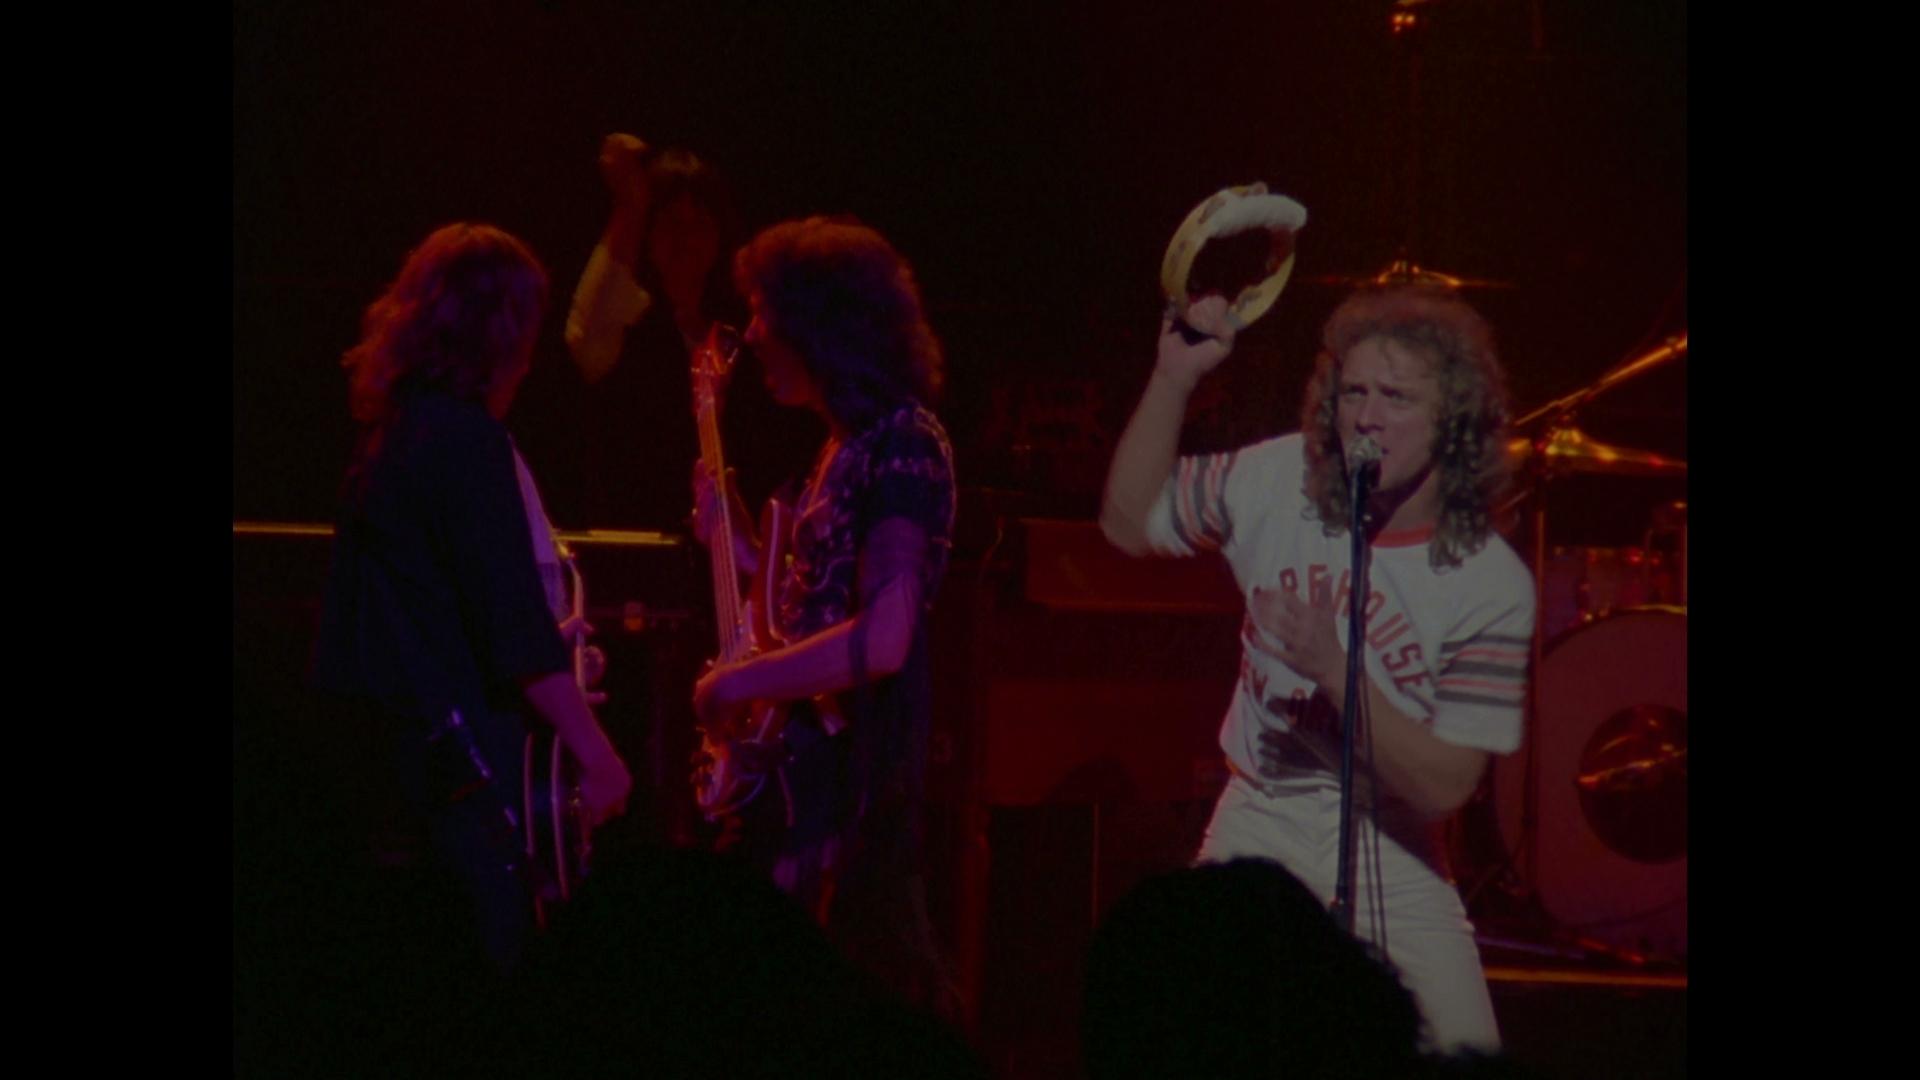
(1031,160)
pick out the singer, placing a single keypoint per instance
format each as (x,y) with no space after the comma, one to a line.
(1408,374)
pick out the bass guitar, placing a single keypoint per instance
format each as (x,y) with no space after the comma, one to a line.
(735,752)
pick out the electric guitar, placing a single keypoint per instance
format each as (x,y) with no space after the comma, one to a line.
(558,841)
(735,752)
(542,829)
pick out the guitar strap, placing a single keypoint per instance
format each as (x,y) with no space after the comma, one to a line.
(546,548)
(548,556)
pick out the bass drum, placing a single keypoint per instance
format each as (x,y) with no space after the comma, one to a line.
(1609,763)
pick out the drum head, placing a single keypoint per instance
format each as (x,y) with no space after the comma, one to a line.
(1610,765)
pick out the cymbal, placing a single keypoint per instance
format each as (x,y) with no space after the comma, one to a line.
(1403,271)
(1569,450)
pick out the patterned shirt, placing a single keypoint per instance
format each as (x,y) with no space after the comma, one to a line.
(899,467)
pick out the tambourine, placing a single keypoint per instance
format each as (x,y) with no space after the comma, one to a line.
(1226,213)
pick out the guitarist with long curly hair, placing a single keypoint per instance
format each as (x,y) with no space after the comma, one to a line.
(435,614)
(838,327)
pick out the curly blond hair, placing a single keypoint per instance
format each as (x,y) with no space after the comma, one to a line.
(1470,417)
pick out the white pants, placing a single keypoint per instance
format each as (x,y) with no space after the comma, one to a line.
(1429,940)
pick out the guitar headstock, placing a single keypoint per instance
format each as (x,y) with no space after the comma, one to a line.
(713,360)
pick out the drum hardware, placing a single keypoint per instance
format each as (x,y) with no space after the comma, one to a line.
(1628,776)
(1404,271)
(1632,783)
(1582,584)
(1620,800)
(1406,24)
(1561,410)
(1667,538)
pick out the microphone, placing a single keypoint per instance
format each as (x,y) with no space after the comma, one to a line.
(1363,461)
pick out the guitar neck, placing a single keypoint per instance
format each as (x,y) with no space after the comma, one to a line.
(735,641)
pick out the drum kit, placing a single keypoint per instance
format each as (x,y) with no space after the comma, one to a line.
(1592,811)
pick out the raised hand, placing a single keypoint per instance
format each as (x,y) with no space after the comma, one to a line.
(1188,362)
(623,168)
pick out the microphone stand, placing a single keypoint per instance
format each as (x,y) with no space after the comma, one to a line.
(1360,481)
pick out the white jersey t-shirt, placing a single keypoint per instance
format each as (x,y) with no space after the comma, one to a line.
(1448,647)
